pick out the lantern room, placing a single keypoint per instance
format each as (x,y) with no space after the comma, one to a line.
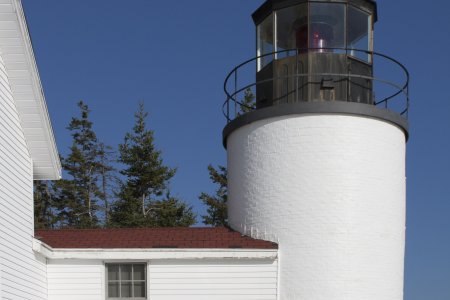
(314,51)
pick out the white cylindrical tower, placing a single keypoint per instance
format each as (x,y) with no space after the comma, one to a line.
(317,163)
(330,190)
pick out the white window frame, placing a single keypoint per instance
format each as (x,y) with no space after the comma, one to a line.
(121,263)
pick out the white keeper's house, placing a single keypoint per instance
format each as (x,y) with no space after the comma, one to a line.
(316,172)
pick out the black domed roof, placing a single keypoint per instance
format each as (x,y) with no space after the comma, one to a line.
(270,5)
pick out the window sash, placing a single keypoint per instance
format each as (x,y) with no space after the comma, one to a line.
(121,282)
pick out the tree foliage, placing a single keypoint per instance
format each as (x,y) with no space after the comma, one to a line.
(44,214)
(78,195)
(171,212)
(96,192)
(217,203)
(248,103)
(141,200)
(108,180)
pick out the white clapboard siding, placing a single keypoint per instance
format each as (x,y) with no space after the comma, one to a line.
(237,279)
(213,280)
(24,83)
(22,272)
(76,280)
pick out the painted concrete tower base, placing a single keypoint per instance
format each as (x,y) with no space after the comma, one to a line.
(316,150)
(330,190)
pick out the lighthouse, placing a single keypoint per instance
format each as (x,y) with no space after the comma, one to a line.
(316,138)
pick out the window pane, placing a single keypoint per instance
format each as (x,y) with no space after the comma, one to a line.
(359,27)
(265,41)
(113,290)
(327,26)
(138,272)
(126,280)
(292,28)
(113,272)
(139,289)
(126,290)
(125,272)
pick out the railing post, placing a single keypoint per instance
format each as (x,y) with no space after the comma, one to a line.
(407,101)
(235,91)
(296,75)
(228,109)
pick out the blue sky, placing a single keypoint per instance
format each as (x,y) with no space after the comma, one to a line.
(174,56)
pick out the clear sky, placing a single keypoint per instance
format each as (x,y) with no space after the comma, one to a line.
(174,55)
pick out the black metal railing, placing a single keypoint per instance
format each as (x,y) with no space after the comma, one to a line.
(240,84)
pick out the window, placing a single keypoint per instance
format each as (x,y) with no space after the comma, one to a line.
(126,281)
(292,28)
(265,42)
(327,26)
(359,33)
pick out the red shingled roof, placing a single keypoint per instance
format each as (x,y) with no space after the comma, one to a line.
(220,237)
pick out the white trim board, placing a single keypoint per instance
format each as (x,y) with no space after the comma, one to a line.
(17,52)
(152,253)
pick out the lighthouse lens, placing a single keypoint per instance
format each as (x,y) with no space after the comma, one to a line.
(292,29)
(327,26)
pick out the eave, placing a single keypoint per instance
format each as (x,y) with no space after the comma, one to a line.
(17,52)
(152,254)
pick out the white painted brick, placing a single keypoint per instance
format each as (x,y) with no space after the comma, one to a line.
(331,190)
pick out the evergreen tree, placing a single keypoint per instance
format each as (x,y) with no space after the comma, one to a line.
(141,200)
(108,180)
(44,214)
(217,204)
(78,196)
(248,103)
(171,212)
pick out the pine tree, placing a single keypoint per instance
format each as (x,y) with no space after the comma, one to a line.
(108,180)
(141,200)
(217,204)
(44,213)
(78,196)
(171,212)
(248,103)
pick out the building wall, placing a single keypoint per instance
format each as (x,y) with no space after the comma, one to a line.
(213,280)
(330,189)
(76,280)
(171,279)
(23,274)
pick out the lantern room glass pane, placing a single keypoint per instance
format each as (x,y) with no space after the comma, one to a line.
(265,42)
(359,33)
(327,26)
(292,29)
